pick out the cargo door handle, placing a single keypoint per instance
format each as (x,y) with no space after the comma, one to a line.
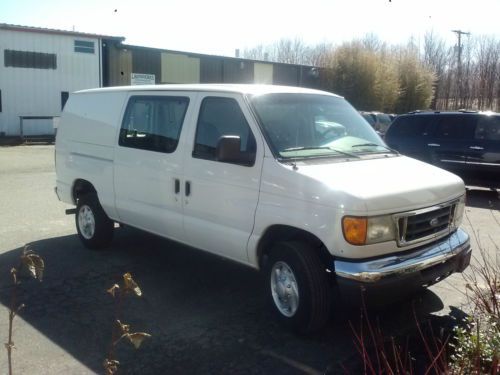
(433,145)
(476,148)
(188,188)
(177,186)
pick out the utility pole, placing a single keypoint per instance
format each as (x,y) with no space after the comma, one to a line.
(459,62)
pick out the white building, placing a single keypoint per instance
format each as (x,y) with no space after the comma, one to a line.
(38,69)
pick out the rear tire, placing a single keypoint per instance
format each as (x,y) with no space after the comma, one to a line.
(94,227)
(299,287)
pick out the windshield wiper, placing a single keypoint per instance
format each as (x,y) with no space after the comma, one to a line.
(321,148)
(375,144)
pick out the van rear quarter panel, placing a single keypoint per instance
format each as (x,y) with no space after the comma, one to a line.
(85,144)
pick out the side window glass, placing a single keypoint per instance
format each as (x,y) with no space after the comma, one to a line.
(455,127)
(222,117)
(488,128)
(412,126)
(153,123)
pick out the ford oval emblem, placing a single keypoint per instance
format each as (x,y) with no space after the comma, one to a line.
(434,222)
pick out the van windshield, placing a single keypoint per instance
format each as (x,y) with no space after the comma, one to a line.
(314,125)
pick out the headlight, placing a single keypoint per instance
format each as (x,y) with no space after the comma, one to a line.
(368,230)
(459,212)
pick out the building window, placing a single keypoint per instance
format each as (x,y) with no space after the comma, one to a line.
(26,59)
(84,46)
(64,99)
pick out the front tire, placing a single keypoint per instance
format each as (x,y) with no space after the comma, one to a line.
(299,287)
(94,227)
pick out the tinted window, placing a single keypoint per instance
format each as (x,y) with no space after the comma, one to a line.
(455,127)
(415,126)
(84,46)
(153,123)
(219,117)
(488,127)
(369,117)
(26,59)
(384,119)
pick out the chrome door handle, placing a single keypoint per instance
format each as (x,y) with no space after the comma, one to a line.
(433,145)
(476,148)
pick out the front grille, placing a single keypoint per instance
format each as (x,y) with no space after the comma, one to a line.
(432,222)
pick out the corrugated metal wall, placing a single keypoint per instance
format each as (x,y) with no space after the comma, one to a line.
(119,66)
(147,61)
(309,77)
(286,75)
(37,92)
(263,73)
(210,69)
(237,71)
(179,68)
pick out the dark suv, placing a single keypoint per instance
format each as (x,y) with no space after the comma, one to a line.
(465,143)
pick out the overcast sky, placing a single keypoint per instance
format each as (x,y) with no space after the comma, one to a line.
(219,27)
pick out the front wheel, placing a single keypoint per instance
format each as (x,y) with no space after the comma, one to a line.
(300,291)
(94,227)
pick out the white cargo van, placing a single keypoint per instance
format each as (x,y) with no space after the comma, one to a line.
(287,180)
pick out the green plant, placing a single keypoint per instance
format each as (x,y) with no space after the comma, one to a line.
(121,331)
(30,265)
(476,347)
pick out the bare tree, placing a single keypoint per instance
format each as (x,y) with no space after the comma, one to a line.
(371,42)
(291,51)
(259,52)
(320,55)
(377,76)
(435,57)
(488,65)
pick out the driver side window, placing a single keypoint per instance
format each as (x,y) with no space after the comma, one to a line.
(221,117)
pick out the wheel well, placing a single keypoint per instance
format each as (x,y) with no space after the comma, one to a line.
(278,233)
(81,187)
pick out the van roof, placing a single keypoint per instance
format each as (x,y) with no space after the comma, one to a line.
(233,88)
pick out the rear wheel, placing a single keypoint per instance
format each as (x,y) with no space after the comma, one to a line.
(94,227)
(300,291)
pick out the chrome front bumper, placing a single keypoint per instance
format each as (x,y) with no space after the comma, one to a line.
(451,253)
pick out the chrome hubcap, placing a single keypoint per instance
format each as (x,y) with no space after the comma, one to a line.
(284,289)
(86,222)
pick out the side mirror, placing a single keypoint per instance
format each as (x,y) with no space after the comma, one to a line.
(229,150)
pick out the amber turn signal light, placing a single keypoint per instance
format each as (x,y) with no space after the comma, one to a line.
(354,229)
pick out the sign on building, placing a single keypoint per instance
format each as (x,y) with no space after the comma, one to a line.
(142,79)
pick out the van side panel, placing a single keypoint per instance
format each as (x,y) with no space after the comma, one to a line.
(287,198)
(85,145)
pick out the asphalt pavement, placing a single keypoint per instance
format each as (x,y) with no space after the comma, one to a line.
(206,315)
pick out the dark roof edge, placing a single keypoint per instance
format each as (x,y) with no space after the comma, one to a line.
(33,29)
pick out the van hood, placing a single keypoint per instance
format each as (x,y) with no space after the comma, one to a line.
(375,186)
